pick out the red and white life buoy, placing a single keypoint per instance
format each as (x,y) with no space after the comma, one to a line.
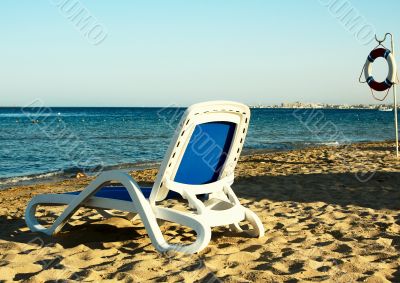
(390,79)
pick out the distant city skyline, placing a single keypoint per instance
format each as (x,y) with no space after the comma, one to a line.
(158,53)
(297,104)
(294,104)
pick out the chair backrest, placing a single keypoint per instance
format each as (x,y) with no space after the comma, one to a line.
(206,146)
(205,153)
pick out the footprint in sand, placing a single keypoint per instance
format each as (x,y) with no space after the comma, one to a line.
(343,249)
(252,248)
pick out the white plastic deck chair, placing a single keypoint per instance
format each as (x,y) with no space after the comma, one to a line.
(200,161)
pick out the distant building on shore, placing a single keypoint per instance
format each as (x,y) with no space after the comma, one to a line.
(295,105)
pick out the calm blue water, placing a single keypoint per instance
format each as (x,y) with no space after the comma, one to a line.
(66,140)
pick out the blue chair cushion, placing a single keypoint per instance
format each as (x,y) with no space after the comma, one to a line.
(205,153)
(120,193)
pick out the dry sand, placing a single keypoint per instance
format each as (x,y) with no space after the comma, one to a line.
(325,219)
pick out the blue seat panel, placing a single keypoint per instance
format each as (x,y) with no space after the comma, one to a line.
(120,193)
(205,153)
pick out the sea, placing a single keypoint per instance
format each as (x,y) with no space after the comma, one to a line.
(47,143)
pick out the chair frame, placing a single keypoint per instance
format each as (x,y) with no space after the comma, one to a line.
(221,208)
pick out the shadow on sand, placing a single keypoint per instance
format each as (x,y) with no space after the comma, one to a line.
(382,191)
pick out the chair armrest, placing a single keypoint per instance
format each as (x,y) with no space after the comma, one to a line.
(200,189)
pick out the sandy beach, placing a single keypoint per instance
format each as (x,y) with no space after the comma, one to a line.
(331,214)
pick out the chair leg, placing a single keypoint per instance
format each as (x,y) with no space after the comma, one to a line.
(148,214)
(258,230)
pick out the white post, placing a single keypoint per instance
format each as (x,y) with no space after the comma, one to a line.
(395,105)
(395,120)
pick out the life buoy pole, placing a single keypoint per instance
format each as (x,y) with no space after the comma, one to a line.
(390,81)
(396,126)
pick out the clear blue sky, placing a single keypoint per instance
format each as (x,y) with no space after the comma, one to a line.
(180,52)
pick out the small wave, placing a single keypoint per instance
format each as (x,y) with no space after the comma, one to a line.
(328,143)
(43,115)
(286,145)
(28,178)
(71,172)
(12,115)
(134,166)
(332,143)
(24,115)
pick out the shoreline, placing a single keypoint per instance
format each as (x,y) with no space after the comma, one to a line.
(331,214)
(64,175)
